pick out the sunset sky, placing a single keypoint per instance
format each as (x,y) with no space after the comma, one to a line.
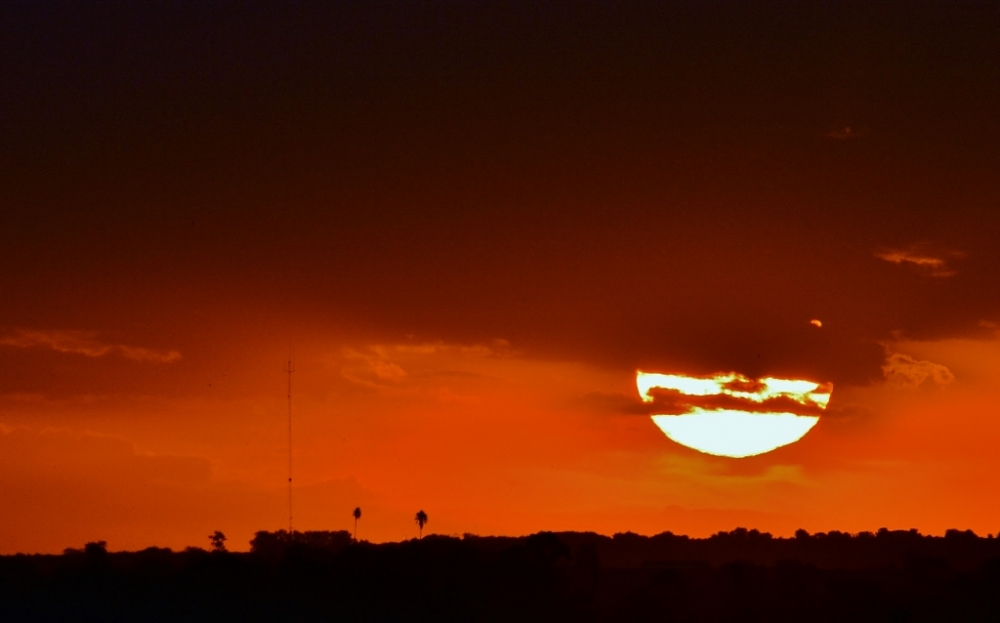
(473,222)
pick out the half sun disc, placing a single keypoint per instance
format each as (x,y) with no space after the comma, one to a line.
(735,434)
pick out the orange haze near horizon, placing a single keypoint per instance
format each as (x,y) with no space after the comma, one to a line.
(487,440)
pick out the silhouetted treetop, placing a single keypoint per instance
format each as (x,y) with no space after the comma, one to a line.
(218,541)
(279,542)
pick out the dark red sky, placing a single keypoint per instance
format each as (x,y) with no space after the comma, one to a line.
(606,185)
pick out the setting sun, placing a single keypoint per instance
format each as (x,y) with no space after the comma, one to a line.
(731,432)
(735,434)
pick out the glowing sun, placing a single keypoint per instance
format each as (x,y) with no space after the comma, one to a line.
(725,429)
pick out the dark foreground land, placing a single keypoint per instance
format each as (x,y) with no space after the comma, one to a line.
(736,576)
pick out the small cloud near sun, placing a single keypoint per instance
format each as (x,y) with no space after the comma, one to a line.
(932,261)
(903,371)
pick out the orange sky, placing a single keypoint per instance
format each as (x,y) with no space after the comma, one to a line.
(487,440)
(474,232)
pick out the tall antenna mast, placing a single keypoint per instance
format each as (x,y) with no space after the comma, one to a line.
(290,368)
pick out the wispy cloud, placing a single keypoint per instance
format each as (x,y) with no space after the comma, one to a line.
(84,343)
(386,365)
(934,262)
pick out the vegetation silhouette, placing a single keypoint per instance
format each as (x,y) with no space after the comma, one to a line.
(283,542)
(421,519)
(218,541)
(357,515)
(740,575)
(96,549)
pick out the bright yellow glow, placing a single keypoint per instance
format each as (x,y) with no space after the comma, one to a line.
(732,432)
(802,392)
(816,323)
(735,434)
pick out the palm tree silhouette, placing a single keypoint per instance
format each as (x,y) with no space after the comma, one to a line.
(421,519)
(357,516)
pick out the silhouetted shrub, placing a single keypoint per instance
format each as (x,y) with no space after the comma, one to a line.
(282,541)
(96,548)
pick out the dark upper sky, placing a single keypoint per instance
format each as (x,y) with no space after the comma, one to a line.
(633,184)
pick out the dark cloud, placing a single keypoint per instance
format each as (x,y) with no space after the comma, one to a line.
(637,187)
(671,402)
(847,412)
(668,402)
(613,403)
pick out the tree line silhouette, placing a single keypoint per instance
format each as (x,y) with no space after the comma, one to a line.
(218,538)
(740,575)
